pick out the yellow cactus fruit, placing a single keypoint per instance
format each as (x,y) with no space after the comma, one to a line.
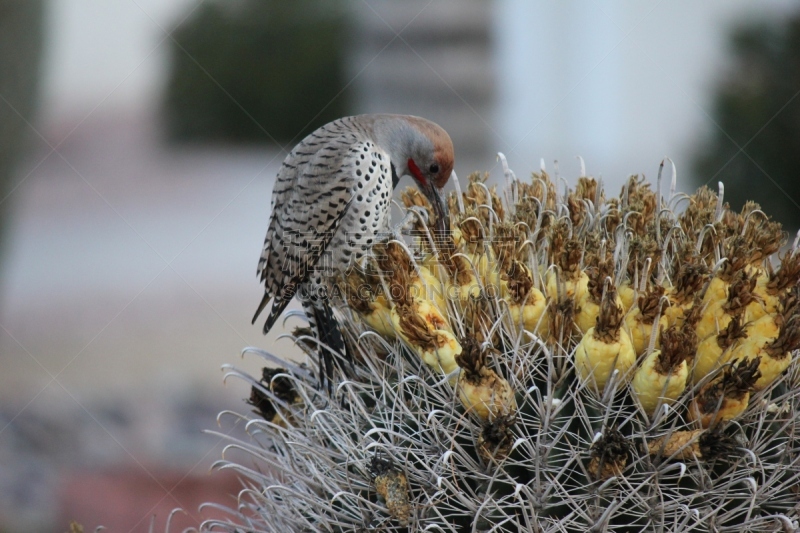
(587,303)
(380,318)
(364,294)
(767,304)
(419,322)
(587,311)
(426,286)
(735,267)
(480,389)
(526,303)
(569,288)
(566,254)
(639,320)
(760,333)
(771,286)
(608,455)
(717,291)
(679,445)
(605,347)
(661,378)
(718,312)
(683,295)
(627,295)
(392,485)
(464,283)
(425,330)
(573,288)
(777,355)
(725,397)
(531,313)
(486,394)
(698,444)
(715,351)
(774,338)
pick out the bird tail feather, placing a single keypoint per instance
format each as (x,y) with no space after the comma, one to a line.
(332,347)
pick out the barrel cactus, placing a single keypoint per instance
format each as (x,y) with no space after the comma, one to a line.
(563,360)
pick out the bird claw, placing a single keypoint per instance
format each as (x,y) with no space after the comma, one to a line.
(413,214)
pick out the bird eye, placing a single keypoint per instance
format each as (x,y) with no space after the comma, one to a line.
(434,168)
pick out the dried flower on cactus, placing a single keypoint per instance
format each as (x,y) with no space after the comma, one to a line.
(608,455)
(481,389)
(280,388)
(392,485)
(725,397)
(496,438)
(424,329)
(698,444)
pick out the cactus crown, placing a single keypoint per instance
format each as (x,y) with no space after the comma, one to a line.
(735,330)
(788,339)
(462,408)
(736,381)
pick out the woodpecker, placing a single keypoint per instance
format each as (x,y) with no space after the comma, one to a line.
(331,200)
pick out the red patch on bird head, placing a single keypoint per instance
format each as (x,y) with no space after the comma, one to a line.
(412,166)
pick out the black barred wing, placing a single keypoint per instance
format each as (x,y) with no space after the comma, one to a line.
(312,194)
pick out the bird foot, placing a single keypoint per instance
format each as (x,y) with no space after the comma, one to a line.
(413,215)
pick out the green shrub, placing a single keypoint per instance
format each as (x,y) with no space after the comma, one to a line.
(256,71)
(757,109)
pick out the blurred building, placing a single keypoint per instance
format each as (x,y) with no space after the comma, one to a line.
(432,59)
(621,83)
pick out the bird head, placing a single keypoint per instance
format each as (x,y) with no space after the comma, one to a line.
(423,150)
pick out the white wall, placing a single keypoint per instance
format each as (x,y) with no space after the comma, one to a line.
(622,83)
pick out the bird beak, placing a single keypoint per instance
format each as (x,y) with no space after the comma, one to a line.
(440,209)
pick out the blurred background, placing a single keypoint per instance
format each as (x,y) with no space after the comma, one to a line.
(139,140)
